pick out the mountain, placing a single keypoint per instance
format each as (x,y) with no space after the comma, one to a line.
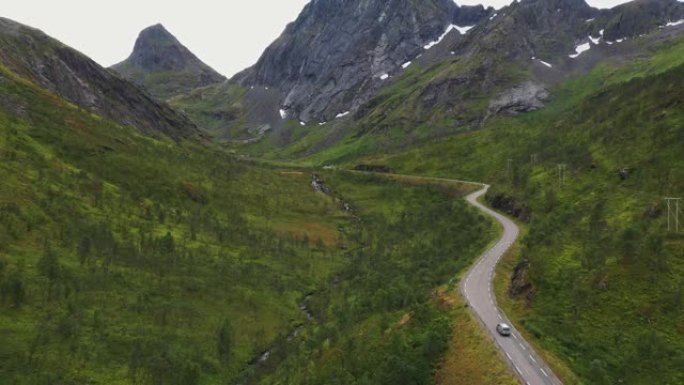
(339,53)
(507,64)
(409,66)
(71,75)
(164,66)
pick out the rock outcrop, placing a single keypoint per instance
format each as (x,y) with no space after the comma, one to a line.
(527,97)
(521,287)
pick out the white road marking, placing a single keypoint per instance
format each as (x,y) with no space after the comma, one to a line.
(518,369)
(509,356)
(543,372)
(522,346)
(533,360)
(514,336)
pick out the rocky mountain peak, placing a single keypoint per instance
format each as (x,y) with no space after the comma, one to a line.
(157,49)
(339,52)
(638,17)
(164,66)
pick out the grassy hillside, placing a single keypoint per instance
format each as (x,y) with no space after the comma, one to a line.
(219,110)
(606,274)
(126,259)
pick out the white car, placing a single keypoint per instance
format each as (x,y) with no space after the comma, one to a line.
(503,329)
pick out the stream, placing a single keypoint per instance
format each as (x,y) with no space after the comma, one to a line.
(260,362)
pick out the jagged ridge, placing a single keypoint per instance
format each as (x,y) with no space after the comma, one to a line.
(332,58)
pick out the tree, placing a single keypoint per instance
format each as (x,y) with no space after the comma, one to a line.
(13,288)
(84,250)
(597,373)
(224,341)
(655,249)
(48,265)
(168,244)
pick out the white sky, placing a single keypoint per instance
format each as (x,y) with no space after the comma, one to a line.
(228,35)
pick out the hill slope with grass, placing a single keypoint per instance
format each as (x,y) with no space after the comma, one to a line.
(599,276)
(71,75)
(130,259)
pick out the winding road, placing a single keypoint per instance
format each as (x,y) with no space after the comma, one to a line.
(477,288)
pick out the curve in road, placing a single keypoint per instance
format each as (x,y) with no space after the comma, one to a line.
(477,288)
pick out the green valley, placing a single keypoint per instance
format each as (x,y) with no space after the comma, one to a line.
(309,220)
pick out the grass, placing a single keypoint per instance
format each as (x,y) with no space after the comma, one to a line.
(217,109)
(471,357)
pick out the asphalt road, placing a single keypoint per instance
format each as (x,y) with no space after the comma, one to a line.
(477,290)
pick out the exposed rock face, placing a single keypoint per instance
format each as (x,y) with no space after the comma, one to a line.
(520,282)
(526,97)
(509,205)
(338,55)
(319,185)
(334,56)
(164,66)
(492,60)
(71,75)
(638,17)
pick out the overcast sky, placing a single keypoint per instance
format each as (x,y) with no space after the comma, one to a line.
(228,35)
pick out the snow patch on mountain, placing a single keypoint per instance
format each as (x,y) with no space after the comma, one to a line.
(580,49)
(461,30)
(545,63)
